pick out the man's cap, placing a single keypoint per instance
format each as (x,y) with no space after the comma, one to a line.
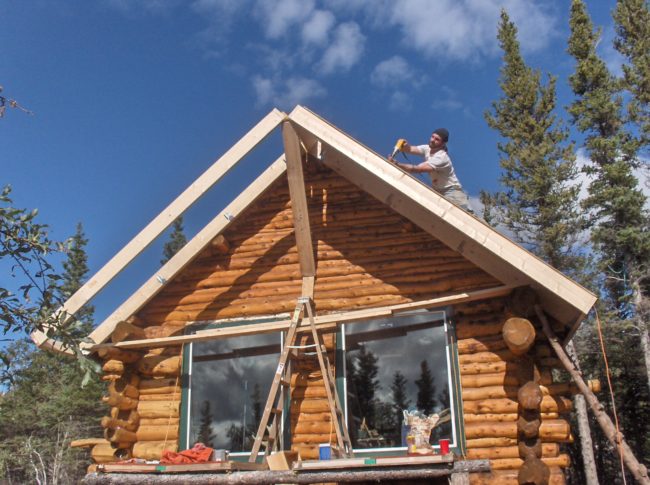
(442,133)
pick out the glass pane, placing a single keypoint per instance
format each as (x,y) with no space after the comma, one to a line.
(230,383)
(392,365)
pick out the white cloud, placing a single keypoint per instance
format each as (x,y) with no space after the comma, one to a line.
(456,29)
(392,72)
(317,28)
(400,101)
(285,94)
(345,50)
(277,16)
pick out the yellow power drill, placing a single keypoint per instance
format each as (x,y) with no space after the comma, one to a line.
(399,144)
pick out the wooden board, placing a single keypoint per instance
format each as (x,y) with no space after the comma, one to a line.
(322,321)
(225,466)
(374,462)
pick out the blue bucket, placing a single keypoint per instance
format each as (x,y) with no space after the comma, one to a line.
(325,451)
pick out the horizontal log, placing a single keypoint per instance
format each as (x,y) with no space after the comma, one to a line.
(483,380)
(549,450)
(152,450)
(484,357)
(309,417)
(473,345)
(306,451)
(153,433)
(113,367)
(125,356)
(314,438)
(500,441)
(159,421)
(511,391)
(550,404)
(471,418)
(158,386)
(562,461)
(158,409)
(120,402)
(510,477)
(119,435)
(122,387)
(126,331)
(159,365)
(551,430)
(88,442)
(174,396)
(487,368)
(313,427)
(107,453)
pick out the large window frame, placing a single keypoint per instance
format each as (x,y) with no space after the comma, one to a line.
(187,376)
(444,316)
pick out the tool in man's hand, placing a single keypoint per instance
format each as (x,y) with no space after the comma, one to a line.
(398,147)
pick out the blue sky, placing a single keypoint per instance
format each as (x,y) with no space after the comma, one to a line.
(133,99)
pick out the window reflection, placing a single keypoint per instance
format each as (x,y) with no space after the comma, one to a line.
(392,365)
(230,381)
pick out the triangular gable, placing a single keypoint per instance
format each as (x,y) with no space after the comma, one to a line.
(562,298)
(479,243)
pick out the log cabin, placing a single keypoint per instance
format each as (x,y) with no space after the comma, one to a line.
(420,305)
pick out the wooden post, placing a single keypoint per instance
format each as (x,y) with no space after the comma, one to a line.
(637,469)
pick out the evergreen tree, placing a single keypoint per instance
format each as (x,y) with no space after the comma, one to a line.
(400,400)
(205,428)
(75,268)
(632,19)
(176,241)
(539,204)
(366,384)
(426,400)
(619,234)
(256,399)
(620,225)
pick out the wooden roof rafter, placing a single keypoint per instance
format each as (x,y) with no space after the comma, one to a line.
(161,222)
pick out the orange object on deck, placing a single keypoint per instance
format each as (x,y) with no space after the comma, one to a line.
(199,453)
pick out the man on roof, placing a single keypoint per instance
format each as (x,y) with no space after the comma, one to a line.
(438,165)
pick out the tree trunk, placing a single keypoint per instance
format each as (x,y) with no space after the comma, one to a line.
(584,432)
(616,438)
(645,345)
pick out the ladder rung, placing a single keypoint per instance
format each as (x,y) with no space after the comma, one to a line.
(285,382)
(276,411)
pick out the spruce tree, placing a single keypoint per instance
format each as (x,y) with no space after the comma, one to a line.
(619,232)
(632,18)
(539,201)
(426,401)
(176,240)
(205,428)
(75,268)
(366,384)
(400,399)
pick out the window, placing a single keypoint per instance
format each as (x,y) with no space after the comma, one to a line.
(226,384)
(392,364)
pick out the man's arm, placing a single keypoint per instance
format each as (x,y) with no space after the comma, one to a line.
(424,167)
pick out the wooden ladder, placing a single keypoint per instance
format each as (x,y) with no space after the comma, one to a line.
(282,384)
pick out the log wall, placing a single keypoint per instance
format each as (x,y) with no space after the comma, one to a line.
(493,375)
(366,256)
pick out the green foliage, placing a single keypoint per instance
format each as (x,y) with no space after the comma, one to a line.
(539,203)
(632,19)
(176,241)
(366,383)
(619,222)
(25,244)
(43,410)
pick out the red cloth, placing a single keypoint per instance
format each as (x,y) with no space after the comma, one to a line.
(197,454)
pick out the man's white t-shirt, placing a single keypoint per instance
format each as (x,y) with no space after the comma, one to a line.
(443,177)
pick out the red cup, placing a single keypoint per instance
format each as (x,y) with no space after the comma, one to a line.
(444,447)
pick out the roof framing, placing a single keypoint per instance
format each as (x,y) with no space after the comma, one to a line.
(562,298)
(491,251)
(163,220)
